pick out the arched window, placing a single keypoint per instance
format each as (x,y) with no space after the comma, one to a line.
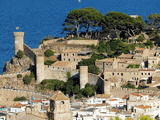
(62,102)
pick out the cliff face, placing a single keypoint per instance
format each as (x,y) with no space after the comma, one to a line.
(17,65)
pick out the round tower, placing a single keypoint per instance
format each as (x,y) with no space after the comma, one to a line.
(107,87)
(18,41)
(83,76)
(39,68)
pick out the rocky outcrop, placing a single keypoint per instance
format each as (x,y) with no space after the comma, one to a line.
(17,65)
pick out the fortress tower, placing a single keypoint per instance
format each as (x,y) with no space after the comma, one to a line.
(18,41)
(107,87)
(83,76)
(60,107)
(39,68)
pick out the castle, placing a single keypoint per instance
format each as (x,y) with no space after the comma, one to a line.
(71,53)
(140,66)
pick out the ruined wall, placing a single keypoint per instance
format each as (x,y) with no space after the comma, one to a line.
(96,80)
(50,73)
(29,52)
(10,94)
(83,42)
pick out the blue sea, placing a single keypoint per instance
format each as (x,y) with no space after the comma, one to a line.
(39,18)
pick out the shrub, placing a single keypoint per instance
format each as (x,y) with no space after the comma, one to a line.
(27,80)
(19,76)
(93,69)
(140,38)
(69,75)
(19,98)
(49,62)
(20,54)
(134,66)
(48,37)
(129,85)
(48,53)
(32,75)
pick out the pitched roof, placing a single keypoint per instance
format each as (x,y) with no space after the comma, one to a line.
(125,96)
(106,60)
(125,55)
(37,100)
(59,96)
(140,49)
(147,69)
(136,94)
(18,105)
(114,110)
(103,95)
(139,95)
(143,107)
(63,63)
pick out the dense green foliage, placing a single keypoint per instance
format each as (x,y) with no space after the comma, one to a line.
(134,66)
(140,38)
(85,20)
(27,79)
(19,99)
(121,23)
(68,74)
(49,62)
(114,26)
(153,21)
(114,48)
(89,22)
(48,53)
(19,76)
(52,84)
(145,118)
(92,68)
(129,85)
(70,87)
(20,54)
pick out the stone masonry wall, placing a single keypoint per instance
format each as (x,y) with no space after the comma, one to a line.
(29,52)
(10,94)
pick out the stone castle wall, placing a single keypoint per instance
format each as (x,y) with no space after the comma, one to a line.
(83,42)
(50,73)
(10,94)
(96,80)
(29,52)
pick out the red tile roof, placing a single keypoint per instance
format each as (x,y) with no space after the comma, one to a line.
(18,105)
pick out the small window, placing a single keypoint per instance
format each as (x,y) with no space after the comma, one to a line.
(112,73)
(141,73)
(148,73)
(121,74)
(62,102)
